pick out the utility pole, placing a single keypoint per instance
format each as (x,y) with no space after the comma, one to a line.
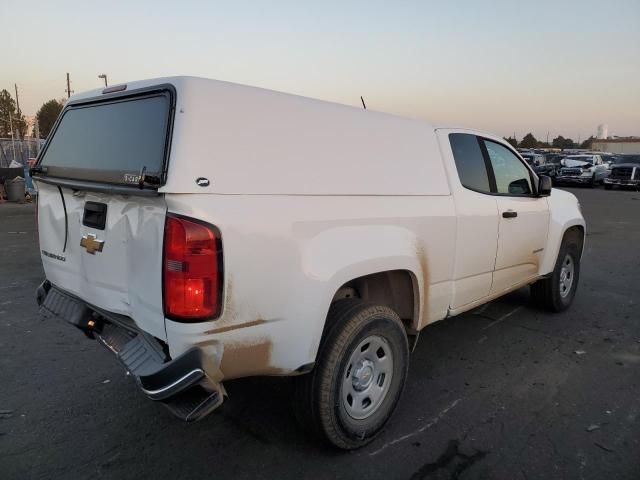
(69,91)
(18,106)
(17,100)
(36,132)
(13,143)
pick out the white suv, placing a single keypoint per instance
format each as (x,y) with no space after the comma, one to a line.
(206,231)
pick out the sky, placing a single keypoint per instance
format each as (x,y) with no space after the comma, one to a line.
(550,67)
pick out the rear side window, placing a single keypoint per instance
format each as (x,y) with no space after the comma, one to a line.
(110,142)
(472,169)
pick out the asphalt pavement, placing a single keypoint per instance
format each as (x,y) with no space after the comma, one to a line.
(504,392)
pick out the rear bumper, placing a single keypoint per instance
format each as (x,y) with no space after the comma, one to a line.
(187,385)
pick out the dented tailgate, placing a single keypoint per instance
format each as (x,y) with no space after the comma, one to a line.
(117,268)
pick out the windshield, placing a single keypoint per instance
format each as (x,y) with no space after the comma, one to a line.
(627,159)
(110,142)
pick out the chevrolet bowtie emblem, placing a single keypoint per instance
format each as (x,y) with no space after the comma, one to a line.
(91,243)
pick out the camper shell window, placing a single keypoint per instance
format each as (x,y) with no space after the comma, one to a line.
(112,141)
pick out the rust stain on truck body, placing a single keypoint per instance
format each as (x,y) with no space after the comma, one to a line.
(237,326)
(244,359)
(423,318)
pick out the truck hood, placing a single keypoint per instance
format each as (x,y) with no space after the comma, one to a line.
(569,162)
(625,165)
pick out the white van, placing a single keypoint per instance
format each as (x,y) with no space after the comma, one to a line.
(206,231)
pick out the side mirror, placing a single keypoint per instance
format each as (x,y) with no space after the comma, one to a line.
(544,186)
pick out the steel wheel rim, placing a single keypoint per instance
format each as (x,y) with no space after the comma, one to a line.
(367,379)
(567,273)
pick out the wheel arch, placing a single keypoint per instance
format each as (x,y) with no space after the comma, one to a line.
(406,294)
(557,235)
(397,289)
(565,216)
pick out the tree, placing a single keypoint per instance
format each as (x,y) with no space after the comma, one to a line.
(587,143)
(529,141)
(561,142)
(512,141)
(47,116)
(7,109)
(558,142)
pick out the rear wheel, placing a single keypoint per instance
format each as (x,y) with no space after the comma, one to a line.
(359,375)
(556,292)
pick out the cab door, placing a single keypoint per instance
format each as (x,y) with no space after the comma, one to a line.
(523,217)
(477,217)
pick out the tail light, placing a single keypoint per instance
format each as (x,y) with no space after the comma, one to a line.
(192,270)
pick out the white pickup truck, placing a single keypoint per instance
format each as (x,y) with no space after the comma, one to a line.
(206,231)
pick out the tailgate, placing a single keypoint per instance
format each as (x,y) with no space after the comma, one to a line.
(117,267)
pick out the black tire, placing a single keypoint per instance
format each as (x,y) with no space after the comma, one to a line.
(546,293)
(318,399)
(607,186)
(592,184)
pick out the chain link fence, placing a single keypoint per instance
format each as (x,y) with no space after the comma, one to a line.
(18,150)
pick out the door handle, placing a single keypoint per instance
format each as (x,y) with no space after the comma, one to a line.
(509,214)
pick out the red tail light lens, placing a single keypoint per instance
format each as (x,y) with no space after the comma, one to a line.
(192,270)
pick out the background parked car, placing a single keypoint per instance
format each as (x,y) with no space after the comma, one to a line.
(533,159)
(624,172)
(609,158)
(584,169)
(551,165)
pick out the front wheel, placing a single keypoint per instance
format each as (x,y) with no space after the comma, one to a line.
(359,375)
(556,292)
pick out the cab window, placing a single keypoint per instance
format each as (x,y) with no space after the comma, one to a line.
(511,175)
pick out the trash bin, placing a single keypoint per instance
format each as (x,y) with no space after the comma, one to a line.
(15,189)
